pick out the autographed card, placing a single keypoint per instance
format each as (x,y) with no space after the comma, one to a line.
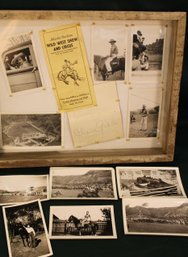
(68,67)
(100,123)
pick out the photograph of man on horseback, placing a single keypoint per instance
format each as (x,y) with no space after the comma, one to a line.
(113,55)
(147,48)
(109,63)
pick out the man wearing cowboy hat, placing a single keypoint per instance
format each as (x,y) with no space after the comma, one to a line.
(113,54)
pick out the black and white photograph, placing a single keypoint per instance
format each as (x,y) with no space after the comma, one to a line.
(82,222)
(18,59)
(151,216)
(109,52)
(23,188)
(26,230)
(149,182)
(144,110)
(147,48)
(31,130)
(82,183)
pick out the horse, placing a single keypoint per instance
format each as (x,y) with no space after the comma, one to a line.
(19,229)
(117,64)
(89,228)
(66,73)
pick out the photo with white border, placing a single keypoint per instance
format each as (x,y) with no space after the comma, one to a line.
(19,62)
(144,112)
(151,216)
(82,222)
(23,188)
(82,183)
(149,182)
(27,131)
(148,48)
(26,230)
(108,52)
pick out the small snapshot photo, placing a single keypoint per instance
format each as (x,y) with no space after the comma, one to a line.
(31,130)
(147,48)
(19,61)
(109,50)
(149,182)
(151,216)
(82,183)
(23,188)
(26,230)
(82,222)
(144,108)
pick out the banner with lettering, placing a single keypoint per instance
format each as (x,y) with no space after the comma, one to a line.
(68,67)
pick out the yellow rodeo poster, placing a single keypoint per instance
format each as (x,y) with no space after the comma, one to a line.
(68,67)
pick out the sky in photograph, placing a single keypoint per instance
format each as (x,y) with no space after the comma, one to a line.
(101,36)
(72,171)
(64,212)
(150,33)
(155,202)
(18,183)
(147,96)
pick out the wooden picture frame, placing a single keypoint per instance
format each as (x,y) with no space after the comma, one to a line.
(174,22)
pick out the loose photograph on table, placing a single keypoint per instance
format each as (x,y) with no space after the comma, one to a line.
(82,222)
(23,188)
(144,112)
(149,182)
(31,130)
(109,52)
(26,230)
(151,216)
(82,183)
(148,48)
(19,63)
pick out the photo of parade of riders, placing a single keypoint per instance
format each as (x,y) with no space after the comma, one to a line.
(26,230)
(82,222)
(151,216)
(82,183)
(147,49)
(108,53)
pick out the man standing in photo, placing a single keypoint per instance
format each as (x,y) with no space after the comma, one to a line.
(144,118)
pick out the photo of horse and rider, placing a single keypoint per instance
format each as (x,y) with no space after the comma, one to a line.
(26,230)
(147,48)
(108,53)
(82,222)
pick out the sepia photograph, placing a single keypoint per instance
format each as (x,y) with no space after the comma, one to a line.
(109,53)
(19,62)
(82,222)
(31,130)
(26,230)
(151,216)
(144,109)
(149,182)
(23,188)
(147,48)
(82,183)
